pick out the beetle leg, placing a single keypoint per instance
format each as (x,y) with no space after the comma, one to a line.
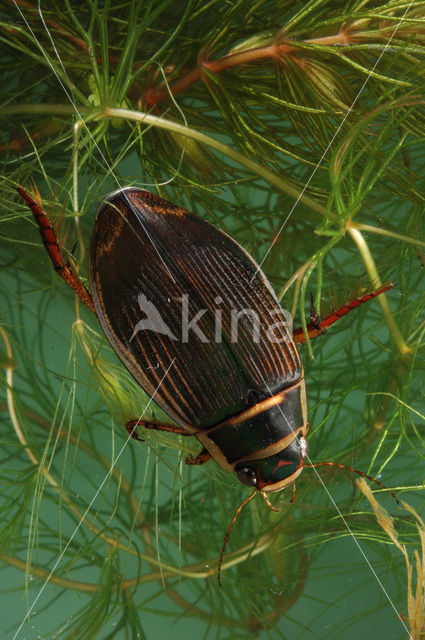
(52,247)
(316,326)
(203,456)
(132,425)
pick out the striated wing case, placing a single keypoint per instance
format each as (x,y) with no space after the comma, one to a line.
(174,293)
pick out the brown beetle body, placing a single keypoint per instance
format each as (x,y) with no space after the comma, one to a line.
(154,265)
(243,395)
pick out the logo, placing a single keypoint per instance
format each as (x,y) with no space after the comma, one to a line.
(153,320)
(220,323)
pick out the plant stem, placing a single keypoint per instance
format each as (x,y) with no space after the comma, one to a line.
(369,263)
(257,168)
(44,573)
(274,51)
(386,232)
(42,108)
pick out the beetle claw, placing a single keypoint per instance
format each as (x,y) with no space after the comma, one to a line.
(131,430)
(203,456)
(314,316)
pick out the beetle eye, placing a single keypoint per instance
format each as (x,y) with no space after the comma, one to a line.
(246,475)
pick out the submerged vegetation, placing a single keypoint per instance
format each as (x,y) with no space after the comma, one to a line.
(300,132)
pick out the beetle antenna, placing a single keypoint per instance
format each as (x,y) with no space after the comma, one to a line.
(359,473)
(229,530)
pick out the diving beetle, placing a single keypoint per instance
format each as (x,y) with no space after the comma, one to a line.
(197,324)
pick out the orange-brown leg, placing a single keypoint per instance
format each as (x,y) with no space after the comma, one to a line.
(203,456)
(316,326)
(132,425)
(52,247)
(330,463)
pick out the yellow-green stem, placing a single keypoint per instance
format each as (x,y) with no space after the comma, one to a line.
(44,573)
(386,232)
(369,263)
(257,168)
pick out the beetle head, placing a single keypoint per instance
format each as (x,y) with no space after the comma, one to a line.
(276,471)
